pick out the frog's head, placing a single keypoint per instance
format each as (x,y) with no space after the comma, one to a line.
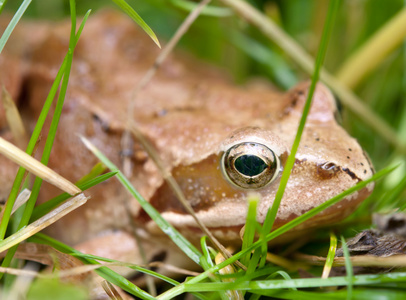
(252,158)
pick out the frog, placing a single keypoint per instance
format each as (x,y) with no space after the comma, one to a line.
(220,141)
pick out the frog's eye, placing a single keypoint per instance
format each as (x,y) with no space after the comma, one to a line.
(250,165)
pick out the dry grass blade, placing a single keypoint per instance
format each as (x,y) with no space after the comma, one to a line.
(34,166)
(61,274)
(172,268)
(21,199)
(45,255)
(398,261)
(228,270)
(14,119)
(20,272)
(110,290)
(373,51)
(43,222)
(283,262)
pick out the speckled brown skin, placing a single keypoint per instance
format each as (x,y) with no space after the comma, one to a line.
(191,116)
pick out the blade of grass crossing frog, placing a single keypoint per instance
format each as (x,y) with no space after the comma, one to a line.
(176,237)
(137,19)
(16,18)
(330,256)
(348,268)
(284,228)
(271,215)
(48,145)
(34,137)
(45,207)
(305,61)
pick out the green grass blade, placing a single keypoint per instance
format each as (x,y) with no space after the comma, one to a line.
(55,120)
(97,170)
(251,225)
(17,16)
(348,268)
(277,284)
(271,215)
(392,199)
(30,148)
(358,293)
(137,19)
(206,261)
(330,255)
(167,228)
(29,206)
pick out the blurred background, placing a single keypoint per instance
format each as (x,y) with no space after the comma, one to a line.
(222,38)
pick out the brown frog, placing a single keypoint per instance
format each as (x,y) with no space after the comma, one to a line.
(219,141)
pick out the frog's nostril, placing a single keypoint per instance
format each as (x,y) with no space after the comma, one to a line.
(327,170)
(250,165)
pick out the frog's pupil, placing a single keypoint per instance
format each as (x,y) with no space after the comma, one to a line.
(250,165)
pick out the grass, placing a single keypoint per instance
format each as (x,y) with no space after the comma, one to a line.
(384,89)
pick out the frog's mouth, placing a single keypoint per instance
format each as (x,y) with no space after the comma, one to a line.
(229,230)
